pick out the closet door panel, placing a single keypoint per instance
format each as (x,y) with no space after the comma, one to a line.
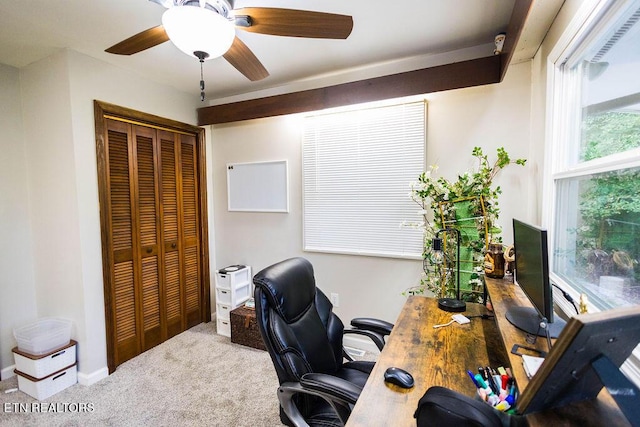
(189,188)
(120,187)
(127,342)
(148,223)
(169,187)
(175,323)
(121,215)
(171,227)
(190,229)
(192,286)
(151,302)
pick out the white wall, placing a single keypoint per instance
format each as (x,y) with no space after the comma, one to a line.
(489,116)
(57,98)
(17,288)
(52,191)
(92,79)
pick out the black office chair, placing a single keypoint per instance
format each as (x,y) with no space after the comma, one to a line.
(304,339)
(441,406)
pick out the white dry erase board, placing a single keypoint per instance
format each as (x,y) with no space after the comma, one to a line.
(258,187)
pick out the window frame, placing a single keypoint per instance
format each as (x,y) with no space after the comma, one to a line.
(592,17)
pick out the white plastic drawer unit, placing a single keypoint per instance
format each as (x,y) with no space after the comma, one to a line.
(223,296)
(233,288)
(243,293)
(233,297)
(231,276)
(224,327)
(223,311)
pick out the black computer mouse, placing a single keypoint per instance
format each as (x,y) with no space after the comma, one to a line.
(399,377)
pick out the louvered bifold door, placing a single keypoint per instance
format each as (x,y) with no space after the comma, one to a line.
(171,229)
(190,221)
(153,255)
(147,236)
(121,218)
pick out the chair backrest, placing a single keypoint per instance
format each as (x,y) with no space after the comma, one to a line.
(296,321)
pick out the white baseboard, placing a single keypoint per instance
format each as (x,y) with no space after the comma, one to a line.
(7,372)
(94,377)
(360,343)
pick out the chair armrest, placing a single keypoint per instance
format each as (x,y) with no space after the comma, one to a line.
(375,329)
(377,338)
(333,387)
(375,325)
(339,393)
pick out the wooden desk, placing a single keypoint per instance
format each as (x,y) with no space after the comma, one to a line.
(442,357)
(433,356)
(504,295)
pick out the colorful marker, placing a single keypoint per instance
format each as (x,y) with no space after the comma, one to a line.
(473,379)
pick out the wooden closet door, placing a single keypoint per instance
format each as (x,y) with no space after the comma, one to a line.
(121,191)
(133,192)
(154,246)
(190,222)
(172,230)
(146,238)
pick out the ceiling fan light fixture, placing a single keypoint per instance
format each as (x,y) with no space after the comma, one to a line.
(197,29)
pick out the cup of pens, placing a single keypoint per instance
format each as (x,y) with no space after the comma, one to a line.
(496,387)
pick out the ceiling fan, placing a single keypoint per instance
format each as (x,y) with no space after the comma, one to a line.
(205,29)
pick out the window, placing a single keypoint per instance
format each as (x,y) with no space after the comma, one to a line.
(357,166)
(596,171)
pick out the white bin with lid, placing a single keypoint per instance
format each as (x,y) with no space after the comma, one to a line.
(43,336)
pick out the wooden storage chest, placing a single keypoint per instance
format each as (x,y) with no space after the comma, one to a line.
(244,329)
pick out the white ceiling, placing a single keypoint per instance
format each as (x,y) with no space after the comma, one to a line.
(34,29)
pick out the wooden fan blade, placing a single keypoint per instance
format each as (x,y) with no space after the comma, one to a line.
(141,41)
(243,59)
(296,23)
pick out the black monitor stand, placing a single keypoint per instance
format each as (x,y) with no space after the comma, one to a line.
(528,320)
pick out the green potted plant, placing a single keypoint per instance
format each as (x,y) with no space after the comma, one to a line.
(468,204)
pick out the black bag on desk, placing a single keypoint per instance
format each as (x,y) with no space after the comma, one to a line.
(443,407)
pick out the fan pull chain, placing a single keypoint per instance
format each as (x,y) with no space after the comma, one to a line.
(201,56)
(201,82)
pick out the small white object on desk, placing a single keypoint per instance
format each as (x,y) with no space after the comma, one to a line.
(460,318)
(455,318)
(531,364)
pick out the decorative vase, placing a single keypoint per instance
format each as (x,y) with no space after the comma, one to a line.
(494,261)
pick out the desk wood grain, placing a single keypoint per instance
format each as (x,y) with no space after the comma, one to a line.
(505,295)
(442,357)
(599,412)
(433,356)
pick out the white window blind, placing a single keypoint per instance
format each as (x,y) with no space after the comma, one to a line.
(357,166)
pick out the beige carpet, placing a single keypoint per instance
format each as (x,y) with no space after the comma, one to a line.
(197,378)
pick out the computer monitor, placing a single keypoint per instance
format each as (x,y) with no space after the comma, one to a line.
(532,275)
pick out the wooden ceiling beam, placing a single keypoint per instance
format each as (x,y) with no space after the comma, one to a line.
(457,75)
(519,16)
(451,76)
